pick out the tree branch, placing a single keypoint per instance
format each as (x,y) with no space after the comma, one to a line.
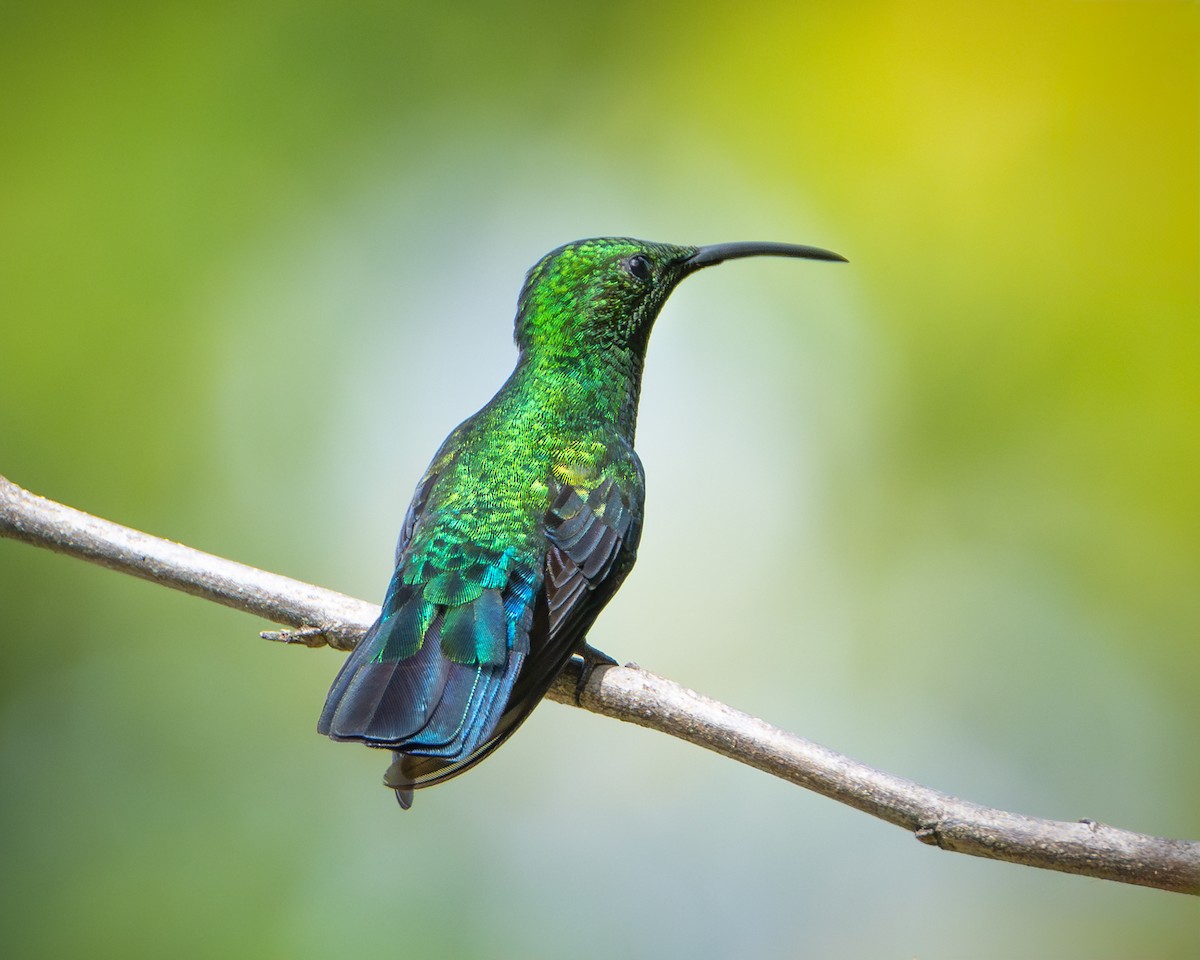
(325,617)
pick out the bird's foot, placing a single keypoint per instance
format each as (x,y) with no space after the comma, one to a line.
(592,658)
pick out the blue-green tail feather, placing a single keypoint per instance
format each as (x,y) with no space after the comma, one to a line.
(430,679)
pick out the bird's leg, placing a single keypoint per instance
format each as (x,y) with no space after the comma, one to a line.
(592,658)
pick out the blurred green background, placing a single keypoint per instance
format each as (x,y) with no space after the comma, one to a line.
(258,258)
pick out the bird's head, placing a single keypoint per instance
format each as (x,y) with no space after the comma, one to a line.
(605,293)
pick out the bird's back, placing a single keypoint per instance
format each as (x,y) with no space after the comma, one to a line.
(516,537)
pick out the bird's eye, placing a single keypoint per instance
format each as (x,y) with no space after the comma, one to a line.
(639,266)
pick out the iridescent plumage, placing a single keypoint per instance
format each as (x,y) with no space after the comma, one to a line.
(526,522)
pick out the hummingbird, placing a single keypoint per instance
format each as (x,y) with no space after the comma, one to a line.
(526,522)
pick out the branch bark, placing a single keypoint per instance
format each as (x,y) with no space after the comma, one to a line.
(321,617)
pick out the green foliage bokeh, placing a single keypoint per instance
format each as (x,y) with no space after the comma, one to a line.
(936,508)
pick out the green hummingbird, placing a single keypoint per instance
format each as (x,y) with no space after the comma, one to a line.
(526,522)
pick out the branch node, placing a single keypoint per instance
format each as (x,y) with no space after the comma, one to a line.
(311,637)
(929,835)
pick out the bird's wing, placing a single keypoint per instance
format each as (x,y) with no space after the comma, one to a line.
(592,538)
(442,461)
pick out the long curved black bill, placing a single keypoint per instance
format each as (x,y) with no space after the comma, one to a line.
(720,252)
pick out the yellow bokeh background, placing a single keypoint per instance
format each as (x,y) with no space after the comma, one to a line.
(937,508)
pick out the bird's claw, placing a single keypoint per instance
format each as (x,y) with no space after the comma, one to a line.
(592,658)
